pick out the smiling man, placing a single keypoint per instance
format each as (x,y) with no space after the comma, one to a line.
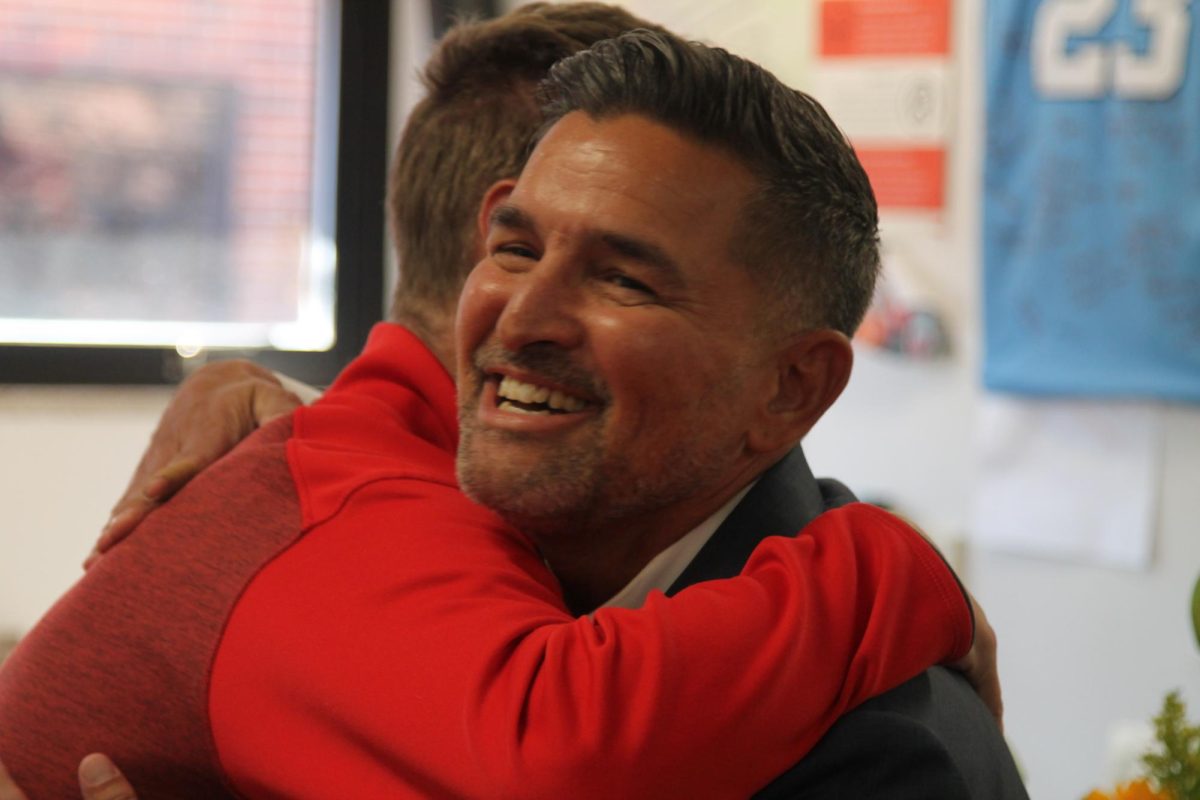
(661,314)
(610,279)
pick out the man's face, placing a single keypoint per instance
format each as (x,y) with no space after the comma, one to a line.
(608,367)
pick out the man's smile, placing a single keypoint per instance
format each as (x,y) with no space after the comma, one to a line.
(527,403)
(530,398)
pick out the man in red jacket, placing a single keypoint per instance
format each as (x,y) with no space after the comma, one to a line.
(270,692)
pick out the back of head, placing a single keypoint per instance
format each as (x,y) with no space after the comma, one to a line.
(810,234)
(472,129)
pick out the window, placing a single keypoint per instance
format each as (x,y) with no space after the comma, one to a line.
(180,179)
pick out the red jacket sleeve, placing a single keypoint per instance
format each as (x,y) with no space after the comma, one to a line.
(438,660)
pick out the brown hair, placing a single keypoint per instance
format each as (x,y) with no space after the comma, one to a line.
(472,129)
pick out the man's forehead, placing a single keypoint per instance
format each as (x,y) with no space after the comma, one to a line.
(633,160)
(586,148)
(632,136)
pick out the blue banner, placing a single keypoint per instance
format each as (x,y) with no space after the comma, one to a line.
(1091,229)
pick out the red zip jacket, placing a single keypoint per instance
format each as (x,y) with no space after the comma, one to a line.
(323,614)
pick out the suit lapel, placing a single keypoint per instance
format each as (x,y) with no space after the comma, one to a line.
(786,498)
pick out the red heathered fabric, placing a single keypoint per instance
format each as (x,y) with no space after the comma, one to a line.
(410,645)
(120,664)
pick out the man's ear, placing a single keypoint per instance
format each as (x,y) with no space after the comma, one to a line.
(497,193)
(811,372)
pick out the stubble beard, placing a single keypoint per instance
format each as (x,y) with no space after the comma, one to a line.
(560,490)
(583,491)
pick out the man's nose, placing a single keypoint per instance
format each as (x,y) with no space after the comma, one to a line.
(543,307)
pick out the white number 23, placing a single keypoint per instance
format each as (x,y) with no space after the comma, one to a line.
(1096,69)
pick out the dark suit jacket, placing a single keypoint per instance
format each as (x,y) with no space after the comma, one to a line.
(928,739)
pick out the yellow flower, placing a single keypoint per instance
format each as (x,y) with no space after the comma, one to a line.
(1134,790)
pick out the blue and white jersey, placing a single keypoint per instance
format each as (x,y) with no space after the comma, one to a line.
(1091,233)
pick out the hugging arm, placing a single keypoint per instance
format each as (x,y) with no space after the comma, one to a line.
(214,408)
(225,401)
(852,607)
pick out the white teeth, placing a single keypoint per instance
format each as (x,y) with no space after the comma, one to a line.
(507,406)
(513,389)
(566,402)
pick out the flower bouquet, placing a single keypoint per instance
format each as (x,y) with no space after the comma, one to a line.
(1172,769)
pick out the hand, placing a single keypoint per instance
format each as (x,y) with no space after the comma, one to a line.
(216,407)
(979,666)
(99,779)
(8,787)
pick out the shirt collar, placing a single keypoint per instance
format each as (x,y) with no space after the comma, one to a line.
(665,567)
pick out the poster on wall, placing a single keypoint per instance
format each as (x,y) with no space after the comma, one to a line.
(882,71)
(1091,230)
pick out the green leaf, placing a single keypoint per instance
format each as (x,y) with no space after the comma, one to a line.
(1175,764)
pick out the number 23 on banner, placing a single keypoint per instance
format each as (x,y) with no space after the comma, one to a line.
(1081,70)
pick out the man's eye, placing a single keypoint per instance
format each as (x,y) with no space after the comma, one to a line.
(625,282)
(516,251)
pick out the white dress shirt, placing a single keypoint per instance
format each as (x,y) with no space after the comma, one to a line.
(669,564)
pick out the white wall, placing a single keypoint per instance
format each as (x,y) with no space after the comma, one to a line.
(1086,648)
(1081,648)
(65,456)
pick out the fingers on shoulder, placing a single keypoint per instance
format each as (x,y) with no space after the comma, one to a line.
(99,779)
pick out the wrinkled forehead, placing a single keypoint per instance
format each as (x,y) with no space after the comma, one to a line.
(632,169)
